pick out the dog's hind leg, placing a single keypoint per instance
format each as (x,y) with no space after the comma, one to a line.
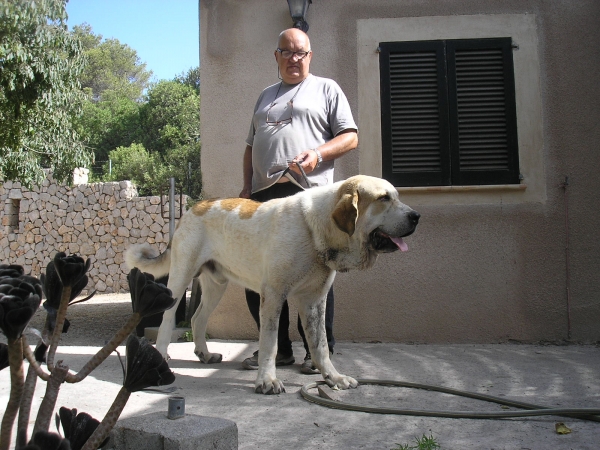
(212,291)
(312,315)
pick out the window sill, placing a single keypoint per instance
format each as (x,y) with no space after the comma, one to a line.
(479,188)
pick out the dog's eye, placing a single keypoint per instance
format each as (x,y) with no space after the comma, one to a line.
(384,198)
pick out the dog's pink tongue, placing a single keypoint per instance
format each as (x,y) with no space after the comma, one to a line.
(400,243)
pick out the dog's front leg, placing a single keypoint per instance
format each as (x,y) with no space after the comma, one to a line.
(313,321)
(266,380)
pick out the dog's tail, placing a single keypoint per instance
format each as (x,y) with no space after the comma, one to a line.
(147,259)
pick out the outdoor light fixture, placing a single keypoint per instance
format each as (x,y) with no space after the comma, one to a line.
(298,9)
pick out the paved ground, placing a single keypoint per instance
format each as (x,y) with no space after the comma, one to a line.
(560,376)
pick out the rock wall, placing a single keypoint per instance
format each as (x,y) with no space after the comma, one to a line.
(97,221)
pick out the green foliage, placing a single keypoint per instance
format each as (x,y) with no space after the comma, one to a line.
(168,128)
(191,78)
(188,336)
(39,92)
(424,443)
(183,163)
(112,68)
(136,164)
(149,137)
(170,116)
(108,124)
(171,127)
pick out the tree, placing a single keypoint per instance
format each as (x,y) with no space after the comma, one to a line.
(136,164)
(170,123)
(86,36)
(112,68)
(149,138)
(191,78)
(108,124)
(40,63)
(114,80)
(170,117)
(183,163)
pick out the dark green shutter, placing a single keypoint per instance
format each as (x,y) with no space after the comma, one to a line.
(482,112)
(448,113)
(414,114)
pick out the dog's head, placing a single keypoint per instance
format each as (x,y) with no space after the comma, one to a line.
(370,207)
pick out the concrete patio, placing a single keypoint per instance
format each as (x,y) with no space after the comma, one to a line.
(548,375)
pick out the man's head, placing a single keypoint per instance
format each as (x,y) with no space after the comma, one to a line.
(295,68)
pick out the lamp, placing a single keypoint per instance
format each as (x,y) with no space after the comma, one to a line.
(298,9)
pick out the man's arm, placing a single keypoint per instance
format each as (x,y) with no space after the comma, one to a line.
(341,144)
(247,189)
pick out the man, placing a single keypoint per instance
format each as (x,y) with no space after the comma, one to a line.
(302,121)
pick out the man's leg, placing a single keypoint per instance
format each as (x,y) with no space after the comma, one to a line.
(284,343)
(285,354)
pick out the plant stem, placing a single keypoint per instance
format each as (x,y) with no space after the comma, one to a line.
(32,362)
(109,421)
(15,359)
(105,351)
(42,422)
(60,321)
(25,407)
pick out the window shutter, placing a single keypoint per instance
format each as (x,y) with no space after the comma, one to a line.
(414,118)
(448,113)
(482,111)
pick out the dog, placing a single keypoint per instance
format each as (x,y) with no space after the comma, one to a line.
(286,248)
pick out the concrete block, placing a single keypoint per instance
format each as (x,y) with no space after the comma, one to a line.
(155,431)
(151,333)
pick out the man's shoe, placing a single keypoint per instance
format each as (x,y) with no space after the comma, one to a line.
(307,366)
(252,362)
(280,360)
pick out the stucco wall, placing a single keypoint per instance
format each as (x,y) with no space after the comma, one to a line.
(97,221)
(481,268)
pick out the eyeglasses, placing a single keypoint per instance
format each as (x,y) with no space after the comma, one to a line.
(287,54)
(274,123)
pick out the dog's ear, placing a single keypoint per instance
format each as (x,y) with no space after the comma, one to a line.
(346,212)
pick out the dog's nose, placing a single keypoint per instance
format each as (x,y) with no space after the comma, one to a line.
(414,216)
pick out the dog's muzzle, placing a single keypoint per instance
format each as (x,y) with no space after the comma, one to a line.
(384,243)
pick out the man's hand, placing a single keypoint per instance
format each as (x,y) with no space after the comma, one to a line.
(307,159)
(246,192)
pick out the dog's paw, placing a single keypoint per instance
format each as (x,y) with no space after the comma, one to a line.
(269,387)
(164,354)
(163,351)
(209,358)
(341,382)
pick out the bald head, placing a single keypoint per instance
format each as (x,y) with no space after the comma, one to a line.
(293,34)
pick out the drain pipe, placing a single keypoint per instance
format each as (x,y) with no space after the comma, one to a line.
(564,185)
(171,208)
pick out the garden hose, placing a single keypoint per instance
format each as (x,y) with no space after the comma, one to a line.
(592,414)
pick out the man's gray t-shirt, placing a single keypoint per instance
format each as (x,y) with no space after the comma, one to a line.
(319,112)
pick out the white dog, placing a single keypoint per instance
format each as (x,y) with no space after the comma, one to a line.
(288,248)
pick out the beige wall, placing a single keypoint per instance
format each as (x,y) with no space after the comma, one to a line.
(485,265)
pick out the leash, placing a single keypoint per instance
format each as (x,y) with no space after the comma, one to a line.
(308,183)
(323,399)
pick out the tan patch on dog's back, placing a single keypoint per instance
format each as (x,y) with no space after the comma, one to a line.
(200,208)
(247,208)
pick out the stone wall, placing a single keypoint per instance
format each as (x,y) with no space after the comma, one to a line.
(97,221)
